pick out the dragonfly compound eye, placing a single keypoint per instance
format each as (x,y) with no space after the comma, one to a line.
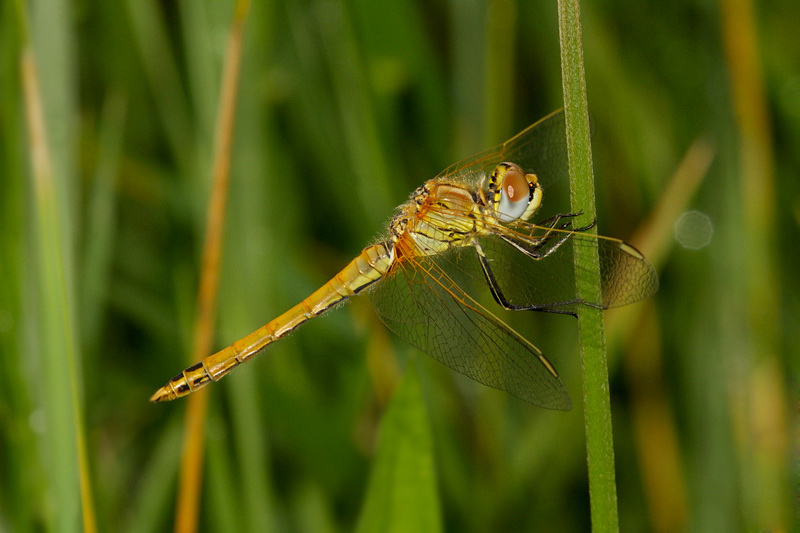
(516,195)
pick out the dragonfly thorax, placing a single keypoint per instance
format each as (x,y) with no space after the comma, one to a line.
(438,217)
(446,198)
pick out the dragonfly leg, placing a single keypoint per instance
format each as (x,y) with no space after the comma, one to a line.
(553,221)
(553,229)
(555,236)
(562,308)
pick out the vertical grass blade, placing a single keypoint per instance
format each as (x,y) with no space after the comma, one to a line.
(20,467)
(192,462)
(250,259)
(597,408)
(64,428)
(402,496)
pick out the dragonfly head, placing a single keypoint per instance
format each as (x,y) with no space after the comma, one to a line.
(513,194)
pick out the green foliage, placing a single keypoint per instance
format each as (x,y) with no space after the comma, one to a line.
(344,109)
(402,493)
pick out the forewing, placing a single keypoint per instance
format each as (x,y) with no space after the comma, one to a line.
(422,302)
(549,282)
(540,148)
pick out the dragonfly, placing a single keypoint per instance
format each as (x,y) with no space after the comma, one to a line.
(464,231)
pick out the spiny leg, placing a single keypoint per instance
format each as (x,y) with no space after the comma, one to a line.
(500,298)
(561,234)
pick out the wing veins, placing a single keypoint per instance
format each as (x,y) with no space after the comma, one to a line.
(491,318)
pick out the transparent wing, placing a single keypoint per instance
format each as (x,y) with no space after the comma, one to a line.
(421,301)
(540,148)
(534,268)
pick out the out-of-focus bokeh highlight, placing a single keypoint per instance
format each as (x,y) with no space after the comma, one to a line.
(107,125)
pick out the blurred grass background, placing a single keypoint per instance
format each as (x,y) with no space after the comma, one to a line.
(344,108)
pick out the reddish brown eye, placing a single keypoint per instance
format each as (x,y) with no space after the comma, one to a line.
(514,195)
(515,186)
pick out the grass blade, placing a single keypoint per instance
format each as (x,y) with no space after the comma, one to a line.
(192,462)
(597,404)
(20,465)
(62,398)
(402,489)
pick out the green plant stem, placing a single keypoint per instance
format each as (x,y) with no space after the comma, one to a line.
(597,409)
